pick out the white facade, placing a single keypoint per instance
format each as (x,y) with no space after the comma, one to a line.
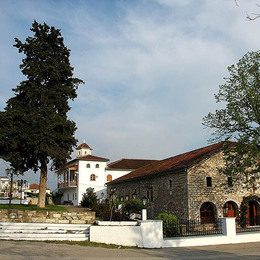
(86,171)
(4,186)
(94,177)
(18,190)
(112,174)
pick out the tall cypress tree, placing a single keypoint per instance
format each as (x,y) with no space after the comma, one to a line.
(35,129)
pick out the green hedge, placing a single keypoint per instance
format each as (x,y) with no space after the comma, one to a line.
(170,227)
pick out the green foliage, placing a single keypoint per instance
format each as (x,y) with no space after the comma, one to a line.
(103,211)
(89,244)
(89,199)
(242,217)
(170,227)
(56,197)
(34,207)
(34,128)
(239,120)
(133,206)
(243,221)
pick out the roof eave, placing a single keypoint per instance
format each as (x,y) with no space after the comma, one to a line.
(149,175)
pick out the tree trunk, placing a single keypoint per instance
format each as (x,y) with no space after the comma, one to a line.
(43,183)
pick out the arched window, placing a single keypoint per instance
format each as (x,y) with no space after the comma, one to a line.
(109,177)
(92,177)
(97,165)
(88,165)
(207,213)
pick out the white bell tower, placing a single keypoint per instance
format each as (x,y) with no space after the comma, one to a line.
(83,150)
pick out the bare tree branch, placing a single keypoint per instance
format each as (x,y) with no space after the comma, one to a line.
(251,17)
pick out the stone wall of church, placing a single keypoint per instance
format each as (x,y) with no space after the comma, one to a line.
(219,193)
(183,193)
(165,193)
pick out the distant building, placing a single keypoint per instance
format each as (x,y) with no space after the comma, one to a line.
(90,171)
(18,190)
(4,186)
(35,188)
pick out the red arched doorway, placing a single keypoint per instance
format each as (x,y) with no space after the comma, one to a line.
(252,213)
(230,209)
(207,212)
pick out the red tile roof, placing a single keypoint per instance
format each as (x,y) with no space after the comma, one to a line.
(175,163)
(35,186)
(84,146)
(93,158)
(88,157)
(129,164)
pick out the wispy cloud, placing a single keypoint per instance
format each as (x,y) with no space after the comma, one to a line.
(151,67)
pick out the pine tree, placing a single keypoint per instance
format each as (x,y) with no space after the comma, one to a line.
(35,129)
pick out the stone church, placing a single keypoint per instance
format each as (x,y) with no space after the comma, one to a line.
(188,186)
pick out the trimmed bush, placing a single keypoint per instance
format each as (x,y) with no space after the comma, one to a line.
(170,224)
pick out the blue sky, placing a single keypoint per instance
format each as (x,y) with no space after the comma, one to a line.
(151,67)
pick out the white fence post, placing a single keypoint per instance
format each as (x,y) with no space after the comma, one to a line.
(152,233)
(144,214)
(228,226)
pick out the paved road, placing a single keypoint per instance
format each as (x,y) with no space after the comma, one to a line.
(16,250)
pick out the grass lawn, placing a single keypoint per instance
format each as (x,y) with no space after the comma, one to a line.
(34,207)
(92,244)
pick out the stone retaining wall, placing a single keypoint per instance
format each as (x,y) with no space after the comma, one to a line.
(58,217)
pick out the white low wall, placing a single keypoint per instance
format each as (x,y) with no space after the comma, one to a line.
(149,234)
(118,235)
(146,234)
(229,237)
(116,223)
(211,240)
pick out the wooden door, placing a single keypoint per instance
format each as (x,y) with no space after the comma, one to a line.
(231,211)
(251,213)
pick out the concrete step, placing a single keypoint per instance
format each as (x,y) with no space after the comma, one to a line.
(49,225)
(56,231)
(46,237)
(41,228)
(44,231)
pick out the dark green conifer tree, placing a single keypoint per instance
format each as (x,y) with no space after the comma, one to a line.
(34,128)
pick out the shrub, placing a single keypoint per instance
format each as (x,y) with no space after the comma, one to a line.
(103,211)
(170,227)
(89,199)
(133,206)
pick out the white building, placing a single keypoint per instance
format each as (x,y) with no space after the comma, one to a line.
(18,189)
(4,186)
(81,173)
(89,171)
